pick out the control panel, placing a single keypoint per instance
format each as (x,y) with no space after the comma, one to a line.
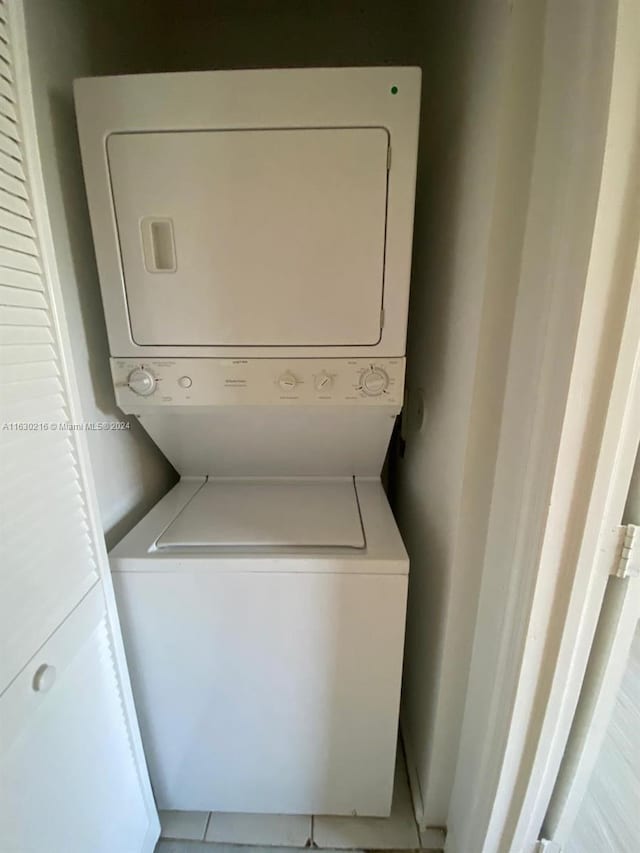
(269,381)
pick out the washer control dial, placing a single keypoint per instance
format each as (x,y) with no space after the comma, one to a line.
(323,381)
(374,381)
(287,381)
(142,382)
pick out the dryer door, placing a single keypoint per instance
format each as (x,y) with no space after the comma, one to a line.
(252,237)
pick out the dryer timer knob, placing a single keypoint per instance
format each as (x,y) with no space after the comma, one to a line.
(374,381)
(288,382)
(141,382)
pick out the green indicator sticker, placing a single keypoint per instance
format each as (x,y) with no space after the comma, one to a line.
(394,90)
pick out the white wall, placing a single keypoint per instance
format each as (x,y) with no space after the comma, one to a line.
(68,39)
(521,607)
(478,139)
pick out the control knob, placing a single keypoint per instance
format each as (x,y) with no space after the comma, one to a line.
(323,381)
(141,382)
(374,381)
(287,382)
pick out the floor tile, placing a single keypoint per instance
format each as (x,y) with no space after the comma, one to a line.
(261,829)
(432,839)
(187,826)
(397,832)
(167,845)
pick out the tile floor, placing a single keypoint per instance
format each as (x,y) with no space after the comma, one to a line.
(168,846)
(204,832)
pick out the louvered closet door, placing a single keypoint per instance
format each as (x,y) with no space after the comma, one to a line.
(72,773)
(46,554)
(67,779)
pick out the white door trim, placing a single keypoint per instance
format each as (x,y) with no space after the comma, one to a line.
(570,430)
(22,82)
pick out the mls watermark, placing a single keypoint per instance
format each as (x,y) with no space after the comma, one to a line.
(64,426)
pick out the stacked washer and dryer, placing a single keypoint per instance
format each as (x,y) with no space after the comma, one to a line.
(253,235)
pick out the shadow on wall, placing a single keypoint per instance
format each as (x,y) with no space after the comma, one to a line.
(454,208)
(280,33)
(77,215)
(130,473)
(99,40)
(146,467)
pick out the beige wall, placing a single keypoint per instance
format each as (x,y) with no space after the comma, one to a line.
(478,136)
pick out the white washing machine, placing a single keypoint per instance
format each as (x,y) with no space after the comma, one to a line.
(267,677)
(253,235)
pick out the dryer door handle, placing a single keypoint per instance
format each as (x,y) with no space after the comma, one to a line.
(158,244)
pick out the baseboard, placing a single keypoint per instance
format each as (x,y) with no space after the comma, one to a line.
(152,836)
(414,780)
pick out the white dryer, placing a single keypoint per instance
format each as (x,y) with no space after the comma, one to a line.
(253,235)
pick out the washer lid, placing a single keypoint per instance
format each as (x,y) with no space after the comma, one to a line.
(268,514)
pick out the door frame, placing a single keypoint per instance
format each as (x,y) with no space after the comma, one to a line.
(569,434)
